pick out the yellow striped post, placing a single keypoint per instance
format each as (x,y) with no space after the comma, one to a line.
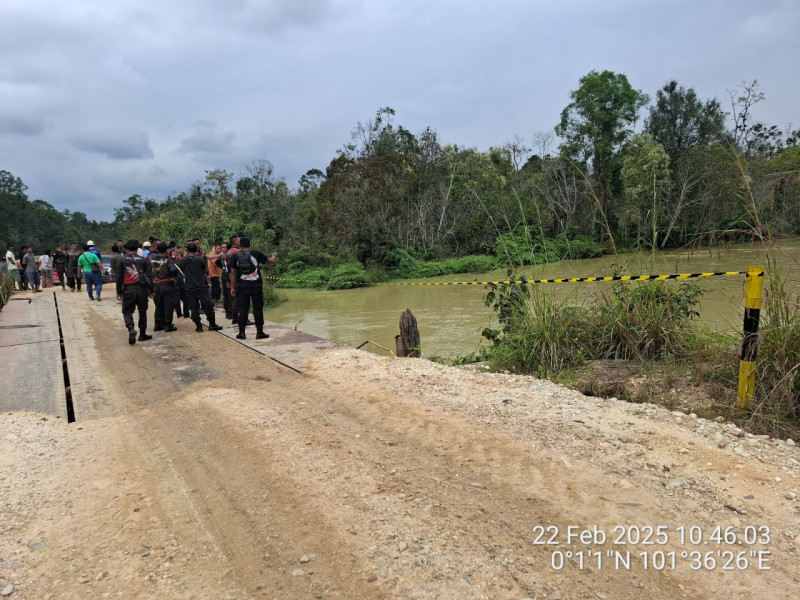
(754,285)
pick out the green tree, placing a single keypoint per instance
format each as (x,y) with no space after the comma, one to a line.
(646,179)
(680,121)
(596,124)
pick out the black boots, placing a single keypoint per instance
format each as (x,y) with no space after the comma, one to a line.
(198,327)
(169,328)
(212,324)
(241,335)
(261,335)
(143,337)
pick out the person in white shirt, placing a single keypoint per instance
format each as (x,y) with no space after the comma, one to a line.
(46,268)
(11,260)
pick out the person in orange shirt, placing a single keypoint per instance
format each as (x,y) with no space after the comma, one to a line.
(214,272)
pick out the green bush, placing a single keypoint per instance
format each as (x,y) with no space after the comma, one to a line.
(524,246)
(348,275)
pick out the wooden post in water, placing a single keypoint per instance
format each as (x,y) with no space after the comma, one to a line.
(407,343)
(752,308)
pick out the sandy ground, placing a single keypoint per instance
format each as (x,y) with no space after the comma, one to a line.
(213,472)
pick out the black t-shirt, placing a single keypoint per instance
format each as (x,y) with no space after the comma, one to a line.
(195,271)
(237,262)
(59,258)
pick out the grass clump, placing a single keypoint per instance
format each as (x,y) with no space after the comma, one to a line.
(546,337)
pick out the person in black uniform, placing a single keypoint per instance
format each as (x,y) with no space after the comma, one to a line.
(247,284)
(165,286)
(195,281)
(134,288)
(60,264)
(74,275)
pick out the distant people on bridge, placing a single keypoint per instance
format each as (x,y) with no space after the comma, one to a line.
(60,264)
(134,286)
(46,269)
(92,267)
(165,287)
(31,270)
(247,286)
(74,272)
(195,275)
(11,262)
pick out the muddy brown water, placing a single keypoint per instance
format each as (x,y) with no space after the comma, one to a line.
(451,318)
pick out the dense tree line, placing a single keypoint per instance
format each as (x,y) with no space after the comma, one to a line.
(693,172)
(39,224)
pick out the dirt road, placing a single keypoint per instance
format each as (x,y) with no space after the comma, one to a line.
(209,471)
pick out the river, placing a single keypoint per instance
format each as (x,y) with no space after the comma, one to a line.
(451,318)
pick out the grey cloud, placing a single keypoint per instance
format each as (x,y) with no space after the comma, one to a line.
(21,124)
(208,141)
(115,145)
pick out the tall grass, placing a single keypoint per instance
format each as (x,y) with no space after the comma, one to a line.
(546,337)
(6,287)
(777,391)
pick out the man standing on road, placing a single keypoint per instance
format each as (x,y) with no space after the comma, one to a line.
(89,263)
(46,268)
(195,281)
(165,285)
(31,270)
(247,285)
(134,288)
(74,274)
(225,281)
(11,260)
(214,272)
(60,264)
(233,248)
(93,250)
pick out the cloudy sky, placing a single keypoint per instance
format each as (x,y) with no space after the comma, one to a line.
(103,99)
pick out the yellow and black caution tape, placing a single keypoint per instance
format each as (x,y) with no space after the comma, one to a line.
(541,281)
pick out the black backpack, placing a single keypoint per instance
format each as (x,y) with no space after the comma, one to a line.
(244,263)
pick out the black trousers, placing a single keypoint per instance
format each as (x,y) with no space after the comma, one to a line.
(226,299)
(200,298)
(244,295)
(62,278)
(214,289)
(74,280)
(167,298)
(134,296)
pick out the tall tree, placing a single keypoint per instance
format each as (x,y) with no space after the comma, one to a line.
(597,122)
(680,121)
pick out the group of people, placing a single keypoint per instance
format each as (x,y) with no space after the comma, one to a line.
(70,266)
(182,281)
(154,270)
